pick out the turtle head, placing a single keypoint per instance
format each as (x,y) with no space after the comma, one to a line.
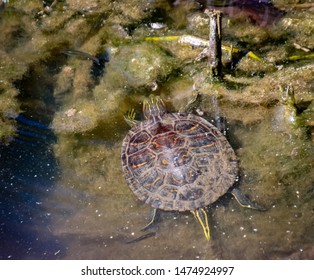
(153,106)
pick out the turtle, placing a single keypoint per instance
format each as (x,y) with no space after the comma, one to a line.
(179,162)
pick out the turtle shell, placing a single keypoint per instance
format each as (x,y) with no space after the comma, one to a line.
(178,162)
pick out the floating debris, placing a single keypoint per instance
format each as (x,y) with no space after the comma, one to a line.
(157,25)
(300,57)
(197,42)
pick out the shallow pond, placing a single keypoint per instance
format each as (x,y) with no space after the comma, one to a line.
(63,194)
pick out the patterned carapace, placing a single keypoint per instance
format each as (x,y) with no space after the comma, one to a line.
(175,161)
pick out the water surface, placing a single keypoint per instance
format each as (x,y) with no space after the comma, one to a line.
(63,193)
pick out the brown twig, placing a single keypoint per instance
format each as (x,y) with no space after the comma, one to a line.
(214,49)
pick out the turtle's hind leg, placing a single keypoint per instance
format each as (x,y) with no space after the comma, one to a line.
(244,201)
(201,215)
(154,218)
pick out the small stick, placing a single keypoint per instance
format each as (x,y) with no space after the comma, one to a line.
(214,49)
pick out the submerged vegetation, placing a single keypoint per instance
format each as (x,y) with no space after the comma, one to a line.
(35,33)
(98,59)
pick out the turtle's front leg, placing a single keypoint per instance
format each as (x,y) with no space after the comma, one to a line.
(244,201)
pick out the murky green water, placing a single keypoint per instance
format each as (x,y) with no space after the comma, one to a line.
(63,195)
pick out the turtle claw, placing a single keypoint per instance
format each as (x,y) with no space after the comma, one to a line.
(130,117)
(244,201)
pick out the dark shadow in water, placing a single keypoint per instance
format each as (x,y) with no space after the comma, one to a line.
(28,172)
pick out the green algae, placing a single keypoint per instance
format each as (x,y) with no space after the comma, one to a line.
(9,108)
(139,65)
(276,166)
